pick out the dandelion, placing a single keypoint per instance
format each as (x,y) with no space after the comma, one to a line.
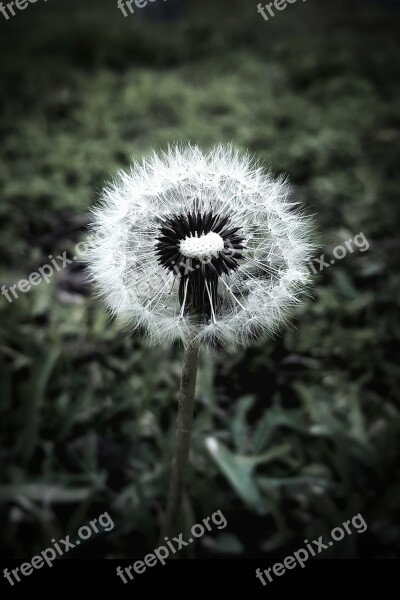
(206,248)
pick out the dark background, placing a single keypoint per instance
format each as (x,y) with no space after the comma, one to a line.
(308,425)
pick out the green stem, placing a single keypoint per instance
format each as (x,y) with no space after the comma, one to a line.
(182,438)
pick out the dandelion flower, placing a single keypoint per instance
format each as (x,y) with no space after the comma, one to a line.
(206,246)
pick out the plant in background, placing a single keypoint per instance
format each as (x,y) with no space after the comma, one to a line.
(206,248)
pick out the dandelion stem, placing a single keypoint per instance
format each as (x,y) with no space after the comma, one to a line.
(182,438)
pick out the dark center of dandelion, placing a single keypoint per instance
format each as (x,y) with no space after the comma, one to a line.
(200,248)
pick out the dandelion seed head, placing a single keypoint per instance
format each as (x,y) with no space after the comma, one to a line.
(205,244)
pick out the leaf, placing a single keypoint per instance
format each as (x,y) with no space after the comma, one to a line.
(274,453)
(51,494)
(238,472)
(239,424)
(272,418)
(34,403)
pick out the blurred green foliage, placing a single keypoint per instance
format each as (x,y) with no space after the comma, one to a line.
(290,439)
